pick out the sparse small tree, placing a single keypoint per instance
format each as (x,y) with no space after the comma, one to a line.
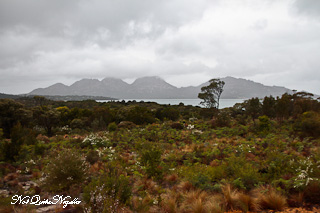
(211,93)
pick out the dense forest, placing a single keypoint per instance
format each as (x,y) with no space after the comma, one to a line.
(144,157)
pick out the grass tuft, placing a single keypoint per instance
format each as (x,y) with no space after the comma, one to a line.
(270,198)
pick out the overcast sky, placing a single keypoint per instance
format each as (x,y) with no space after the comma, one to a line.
(186,42)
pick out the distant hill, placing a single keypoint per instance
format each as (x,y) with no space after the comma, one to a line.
(73,97)
(157,88)
(3,96)
(57,97)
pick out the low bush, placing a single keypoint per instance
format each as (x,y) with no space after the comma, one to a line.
(223,119)
(126,124)
(177,125)
(20,136)
(308,124)
(151,159)
(264,125)
(94,140)
(63,170)
(112,127)
(109,192)
(92,157)
(312,192)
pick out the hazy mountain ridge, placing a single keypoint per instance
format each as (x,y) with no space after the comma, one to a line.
(155,88)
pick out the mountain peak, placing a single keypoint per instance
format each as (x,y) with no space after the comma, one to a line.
(148,79)
(111,80)
(86,80)
(58,89)
(152,82)
(59,85)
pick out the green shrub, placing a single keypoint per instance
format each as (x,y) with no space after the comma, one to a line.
(19,136)
(308,124)
(203,182)
(77,124)
(238,183)
(140,115)
(40,148)
(63,170)
(276,164)
(168,113)
(240,169)
(126,125)
(203,176)
(151,159)
(264,125)
(223,119)
(92,156)
(177,125)
(112,127)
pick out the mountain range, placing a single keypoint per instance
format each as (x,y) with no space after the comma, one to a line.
(156,88)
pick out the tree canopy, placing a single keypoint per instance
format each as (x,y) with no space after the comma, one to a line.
(211,93)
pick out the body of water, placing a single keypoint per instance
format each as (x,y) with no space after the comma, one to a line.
(194,102)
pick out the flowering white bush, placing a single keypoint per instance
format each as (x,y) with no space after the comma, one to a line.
(95,140)
(65,128)
(244,148)
(305,173)
(197,132)
(108,193)
(190,126)
(110,152)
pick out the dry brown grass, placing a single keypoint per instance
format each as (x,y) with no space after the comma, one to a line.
(214,163)
(141,205)
(196,206)
(185,186)
(296,200)
(169,203)
(188,148)
(6,209)
(201,202)
(213,204)
(145,184)
(150,185)
(270,198)
(230,197)
(248,203)
(312,192)
(96,167)
(194,195)
(173,178)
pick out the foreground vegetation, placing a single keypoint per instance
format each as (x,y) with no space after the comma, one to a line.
(145,157)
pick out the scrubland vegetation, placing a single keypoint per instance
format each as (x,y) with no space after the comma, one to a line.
(145,157)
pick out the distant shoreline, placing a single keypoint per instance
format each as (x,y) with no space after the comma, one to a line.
(170,101)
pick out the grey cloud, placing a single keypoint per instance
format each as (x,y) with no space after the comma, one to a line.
(86,17)
(307,7)
(183,41)
(47,15)
(260,24)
